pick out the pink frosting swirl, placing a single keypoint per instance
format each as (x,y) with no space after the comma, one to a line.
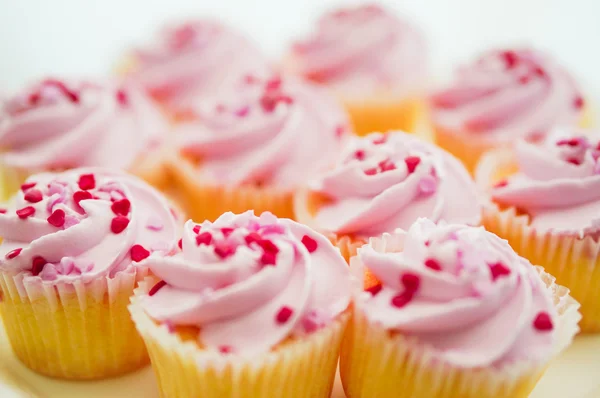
(275,131)
(83,224)
(249,282)
(364,49)
(464,292)
(194,59)
(558,183)
(384,182)
(56,124)
(509,94)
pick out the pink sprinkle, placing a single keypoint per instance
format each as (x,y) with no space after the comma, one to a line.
(309,243)
(66,266)
(154,224)
(501,184)
(225,349)
(243,112)
(48,273)
(313,321)
(427,185)
(272,229)
(380,140)
(402,299)
(339,131)
(578,102)
(54,200)
(283,315)
(543,322)
(70,221)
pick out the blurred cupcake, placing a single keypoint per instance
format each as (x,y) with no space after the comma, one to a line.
(192,60)
(376,62)
(66,270)
(545,199)
(384,182)
(250,307)
(255,146)
(57,125)
(458,314)
(503,96)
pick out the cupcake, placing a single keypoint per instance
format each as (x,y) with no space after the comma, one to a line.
(503,96)
(67,270)
(250,307)
(375,61)
(255,146)
(545,200)
(458,314)
(192,60)
(384,182)
(56,125)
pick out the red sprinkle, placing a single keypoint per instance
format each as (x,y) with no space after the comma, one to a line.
(578,102)
(268,258)
(87,182)
(26,212)
(510,59)
(250,79)
(205,238)
(227,231)
(224,251)
(371,172)
(57,218)
(121,207)
(273,84)
(410,281)
(37,265)
(2,211)
(411,163)
(13,253)
(196,229)
(569,142)
(118,224)
(501,183)
(81,195)
(138,253)
(433,264)
(225,349)
(380,140)
(539,71)
(268,246)
(252,237)
(28,185)
(574,161)
(524,79)
(283,315)
(543,322)
(359,154)
(122,98)
(374,289)
(309,243)
(339,131)
(34,196)
(400,300)
(159,285)
(180,244)
(498,270)
(387,165)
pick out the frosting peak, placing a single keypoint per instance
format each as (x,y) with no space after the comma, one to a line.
(83,224)
(275,131)
(364,48)
(463,291)
(249,282)
(558,183)
(509,94)
(384,182)
(62,124)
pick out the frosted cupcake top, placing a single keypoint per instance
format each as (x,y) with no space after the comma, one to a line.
(56,124)
(364,49)
(276,132)
(193,59)
(83,224)
(464,292)
(249,283)
(509,94)
(558,182)
(384,182)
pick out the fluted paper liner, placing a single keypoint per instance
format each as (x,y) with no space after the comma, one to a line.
(574,261)
(299,368)
(207,201)
(380,363)
(76,331)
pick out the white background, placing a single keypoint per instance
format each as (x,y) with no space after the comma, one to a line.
(86,37)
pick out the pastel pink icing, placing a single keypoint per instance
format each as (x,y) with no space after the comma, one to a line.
(194,59)
(509,94)
(60,124)
(78,240)
(249,282)
(364,49)
(384,182)
(276,131)
(558,183)
(480,305)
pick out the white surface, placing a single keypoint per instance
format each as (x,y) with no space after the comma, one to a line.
(39,37)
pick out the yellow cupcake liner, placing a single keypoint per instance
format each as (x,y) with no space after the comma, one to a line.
(376,362)
(300,368)
(385,114)
(574,261)
(204,201)
(76,331)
